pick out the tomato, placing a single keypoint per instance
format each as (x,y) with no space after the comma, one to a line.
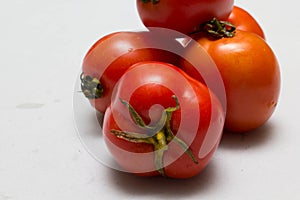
(113,54)
(244,21)
(251,75)
(162,122)
(183,16)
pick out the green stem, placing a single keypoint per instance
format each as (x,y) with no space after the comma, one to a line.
(218,29)
(160,139)
(171,136)
(158,160)
(151,130)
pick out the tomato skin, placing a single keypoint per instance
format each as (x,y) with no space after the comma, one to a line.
(153,90)
(114,53)
(183,16)
(244,21)
(251,76)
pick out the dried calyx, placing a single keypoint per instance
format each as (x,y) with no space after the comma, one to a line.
(152,1)
(218,29)
(91,87)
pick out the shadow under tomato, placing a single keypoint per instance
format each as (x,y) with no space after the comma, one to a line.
(165,188)
(94,121)
(251,139)
(100,118)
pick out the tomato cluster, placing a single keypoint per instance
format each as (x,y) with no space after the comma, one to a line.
(161,114)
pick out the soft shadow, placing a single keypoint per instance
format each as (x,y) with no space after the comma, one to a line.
(255,138)
(165,188)
(100,118)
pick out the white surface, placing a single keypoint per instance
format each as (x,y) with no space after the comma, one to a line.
(42,44)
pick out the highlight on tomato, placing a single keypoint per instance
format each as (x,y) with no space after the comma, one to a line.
(162,122)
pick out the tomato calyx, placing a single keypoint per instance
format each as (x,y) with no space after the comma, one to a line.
(91,87)
(155,135)
(152,1)
(218,29)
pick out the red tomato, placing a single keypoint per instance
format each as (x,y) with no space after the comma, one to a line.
(251,76)
(244,21)
(112,55)
(162,122)
(183,16)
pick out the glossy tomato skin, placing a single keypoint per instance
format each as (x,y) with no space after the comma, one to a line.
(183,16)
(114,53)
(154,79)
(244,21)
(251,76)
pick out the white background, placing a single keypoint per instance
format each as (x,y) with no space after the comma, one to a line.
(42,44)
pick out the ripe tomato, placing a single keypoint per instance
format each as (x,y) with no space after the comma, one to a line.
(251,76)
(244,21)
(183,16)
(162,122)
(112,55)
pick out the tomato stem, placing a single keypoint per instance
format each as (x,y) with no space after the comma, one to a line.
(218,29)
(158,135)
(152,1)
(150,130)
(91,87)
